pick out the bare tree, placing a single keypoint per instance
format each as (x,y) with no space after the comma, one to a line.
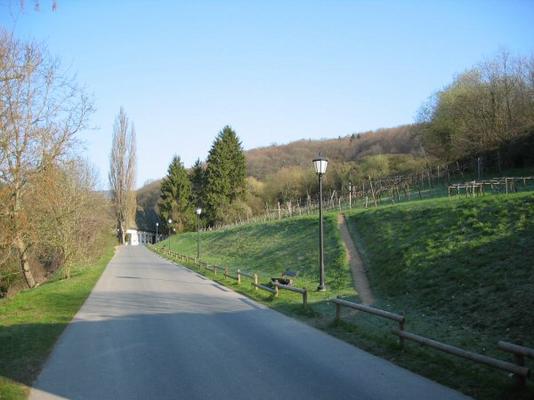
(41,111)
(122,173)
(67,213)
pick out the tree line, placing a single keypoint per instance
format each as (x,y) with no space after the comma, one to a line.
(51,217)
(483,110)
(217,186)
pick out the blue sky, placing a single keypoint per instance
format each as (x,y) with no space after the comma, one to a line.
(275,71)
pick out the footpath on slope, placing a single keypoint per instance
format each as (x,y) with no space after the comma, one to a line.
(361,283)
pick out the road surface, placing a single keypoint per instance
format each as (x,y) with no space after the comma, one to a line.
(153,330)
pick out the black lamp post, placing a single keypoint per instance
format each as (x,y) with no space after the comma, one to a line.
(157,227)
(198,211)
(170,222)
(320,164)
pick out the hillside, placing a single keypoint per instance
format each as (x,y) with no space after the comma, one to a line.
(466,261)
(146,215)
(273,247)
(264,161)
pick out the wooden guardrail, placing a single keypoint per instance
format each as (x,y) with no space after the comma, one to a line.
(519,371)
(303,292)
(254,276)
(400,319)
(519,352)
(516,349)
(274,290)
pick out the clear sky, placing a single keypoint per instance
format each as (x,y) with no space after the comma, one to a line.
(276,71)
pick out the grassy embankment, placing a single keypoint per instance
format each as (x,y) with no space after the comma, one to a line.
(462,272)
(270,248)
(460,269)
(32,321)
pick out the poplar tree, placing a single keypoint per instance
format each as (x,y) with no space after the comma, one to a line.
(122,165)
(175,197)
(225,175)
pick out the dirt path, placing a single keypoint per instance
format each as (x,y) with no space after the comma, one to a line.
(356,264)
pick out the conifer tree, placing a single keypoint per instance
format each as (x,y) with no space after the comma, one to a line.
(197,176)
(225,175)
(175,197)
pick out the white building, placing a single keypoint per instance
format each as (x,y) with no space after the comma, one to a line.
(135,237)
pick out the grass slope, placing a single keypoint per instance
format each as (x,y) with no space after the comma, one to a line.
(32,321)
(273,247)
(462,270)
(469,261)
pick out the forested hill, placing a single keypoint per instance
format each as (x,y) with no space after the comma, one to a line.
(265,161)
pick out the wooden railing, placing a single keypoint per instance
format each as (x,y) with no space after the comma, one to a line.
(371,310)
(275,289)
(303,292)
(519,352)
(519,371)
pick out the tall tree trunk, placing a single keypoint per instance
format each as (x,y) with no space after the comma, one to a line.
(18,242)
(122,232)
(24,263)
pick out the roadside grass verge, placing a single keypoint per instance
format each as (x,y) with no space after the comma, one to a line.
(32,321)
(271,248)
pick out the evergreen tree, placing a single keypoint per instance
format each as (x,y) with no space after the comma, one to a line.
(175,197)
(197,176)
(225,175)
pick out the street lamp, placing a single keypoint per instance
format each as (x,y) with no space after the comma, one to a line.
(157,226)
(170,222)
(198,211)
(320,164)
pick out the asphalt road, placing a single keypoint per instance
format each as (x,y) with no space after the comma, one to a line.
(153,330)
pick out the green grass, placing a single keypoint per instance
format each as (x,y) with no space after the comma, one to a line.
(270,248)
(462,271)
(469,261)
(32,321)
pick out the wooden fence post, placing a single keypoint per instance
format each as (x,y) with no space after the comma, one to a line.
(305,298)
(401,328)
(276,290)
(520,360)
(255,281)
(225,272)
(238,276)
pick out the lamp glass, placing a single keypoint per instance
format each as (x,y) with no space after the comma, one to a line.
(199,211)
(320,165)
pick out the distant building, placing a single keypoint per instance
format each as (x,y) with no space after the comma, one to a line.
(135,237)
